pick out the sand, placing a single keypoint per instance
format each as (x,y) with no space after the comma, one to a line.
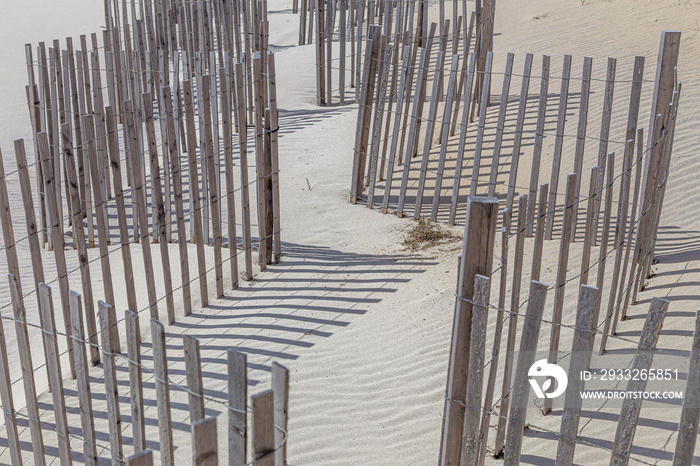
(364,325)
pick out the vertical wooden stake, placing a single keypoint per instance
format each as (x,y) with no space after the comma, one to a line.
(477,258)
(204,443)
(471,443)
(526,357)
(690,416)
(629,414)
(133,345)
(83,380)
(580,349)
(237,416)
(25,359)
(280,387)
(558,144)
(512,326)
(160,364)
(562,268)
(263,428)
(107,320)
(193,365)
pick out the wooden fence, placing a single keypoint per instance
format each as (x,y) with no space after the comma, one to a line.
(268,409)
(471,401)
(403,22)
(143,138)
(630,239)
(387,145)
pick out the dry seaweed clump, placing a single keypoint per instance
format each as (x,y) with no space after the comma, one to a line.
(425,234)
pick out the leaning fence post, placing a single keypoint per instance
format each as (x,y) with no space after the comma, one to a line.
(629,415)
(53,362)
(521,389)
(477,258)
(263,429)
(204,442)
(8,402)
(688,425)
(580,349)
(25,359)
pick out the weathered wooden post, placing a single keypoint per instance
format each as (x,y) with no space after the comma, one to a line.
(477,258)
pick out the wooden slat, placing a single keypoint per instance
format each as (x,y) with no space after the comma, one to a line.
(537,151)
(8,402)
(502,111)
(485,79)
(383,78)
(237,399)
(144,458)
(613,310)
(581,347)
(562,268)
(605,132)
(519,124)
(477,258)
(581,133)
(79,240)
(204,442)
(160,364)
(160,221)
(193,367)
(107,320)
(690,416)
(588,237)
(462,142)
(512,327)
(125,245)
(133,345)
(539,234)
(245,195)
(139,196)
(25,360)
(194,192)
(629,414)
(416,114)
(280,387)
(526,357)
(633,227)
(495,352)
(471,442)
(603,250)
(263,428)
(83,380)
(403,77)
(446,118)
(30,218)
(54,364)
(558,145)
(59,255)
(176,175)
(430,127)
(364,112)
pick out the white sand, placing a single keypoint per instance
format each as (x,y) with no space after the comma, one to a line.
(363,325)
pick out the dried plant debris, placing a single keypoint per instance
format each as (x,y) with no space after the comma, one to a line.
(425,234)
